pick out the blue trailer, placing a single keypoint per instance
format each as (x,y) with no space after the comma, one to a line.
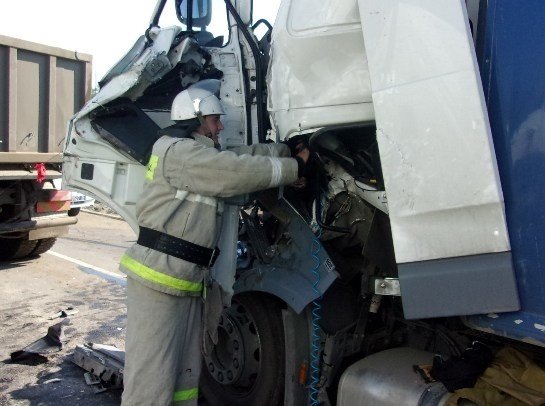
(511,55)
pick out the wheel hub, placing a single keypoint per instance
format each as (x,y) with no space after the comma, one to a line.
(235,359)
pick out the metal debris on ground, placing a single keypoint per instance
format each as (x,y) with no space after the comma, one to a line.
(103,363)
(51,342)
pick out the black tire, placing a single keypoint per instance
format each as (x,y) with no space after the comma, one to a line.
(43,246)
(16,248)
(73,212)
(259,377)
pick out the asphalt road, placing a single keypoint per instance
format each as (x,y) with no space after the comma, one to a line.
(79,272)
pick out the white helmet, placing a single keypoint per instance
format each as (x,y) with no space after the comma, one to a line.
(198,100)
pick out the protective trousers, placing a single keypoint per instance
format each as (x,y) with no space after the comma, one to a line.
(162,347)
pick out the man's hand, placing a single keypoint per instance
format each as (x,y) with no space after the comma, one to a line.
(302,158)
(304,154)
(300,183)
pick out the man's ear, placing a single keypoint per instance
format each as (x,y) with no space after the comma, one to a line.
(203,128)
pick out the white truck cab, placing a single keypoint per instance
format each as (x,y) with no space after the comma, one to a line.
(403,207)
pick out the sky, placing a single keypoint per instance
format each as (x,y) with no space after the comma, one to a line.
(106,29)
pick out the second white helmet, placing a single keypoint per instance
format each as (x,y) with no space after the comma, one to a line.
(199,99)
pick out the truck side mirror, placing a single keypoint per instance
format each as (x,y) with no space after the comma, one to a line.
(199,10)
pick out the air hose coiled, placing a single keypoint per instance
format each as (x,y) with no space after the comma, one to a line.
(316,314)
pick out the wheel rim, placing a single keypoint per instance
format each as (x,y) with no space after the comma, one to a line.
(235,360)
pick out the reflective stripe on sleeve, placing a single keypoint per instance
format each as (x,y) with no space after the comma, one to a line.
(158,277)
(210,201)
(195,198)
(181,194)
(187,394)
(152,165)
(272,150)
(276,172)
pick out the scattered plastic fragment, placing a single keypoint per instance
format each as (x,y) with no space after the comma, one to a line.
(95,382)
(64,313)
(91,379)
(103,363)
(51,342)
(54,380)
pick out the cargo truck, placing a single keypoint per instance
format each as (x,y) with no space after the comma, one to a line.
(40,89)
(420,229)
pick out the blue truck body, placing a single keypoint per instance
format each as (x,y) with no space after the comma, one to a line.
(511,54)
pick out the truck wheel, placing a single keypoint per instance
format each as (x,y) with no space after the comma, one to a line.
(43,245)
(16,248)
(246,368)
(73,212)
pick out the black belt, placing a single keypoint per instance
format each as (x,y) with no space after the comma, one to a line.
(177,247)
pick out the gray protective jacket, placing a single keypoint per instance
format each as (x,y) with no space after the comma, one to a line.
(185,183)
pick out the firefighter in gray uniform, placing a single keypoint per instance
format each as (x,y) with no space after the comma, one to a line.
(179,213)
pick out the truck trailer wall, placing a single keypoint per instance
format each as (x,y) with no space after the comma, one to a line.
(41,87)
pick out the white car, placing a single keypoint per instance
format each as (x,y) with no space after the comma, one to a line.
(78,201)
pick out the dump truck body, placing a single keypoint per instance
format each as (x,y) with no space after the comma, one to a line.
(41,87)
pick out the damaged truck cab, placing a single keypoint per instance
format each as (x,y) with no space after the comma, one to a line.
(422,118)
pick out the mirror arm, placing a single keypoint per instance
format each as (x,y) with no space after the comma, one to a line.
(258,69)
(262,21)
(190,15)
(154,22)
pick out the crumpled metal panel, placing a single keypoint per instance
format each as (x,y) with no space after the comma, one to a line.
(317,53)
(300,272)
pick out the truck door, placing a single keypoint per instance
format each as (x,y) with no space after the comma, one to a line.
(444,195)
(109,139)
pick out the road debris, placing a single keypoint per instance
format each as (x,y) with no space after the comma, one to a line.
(51,342)
(95,382)
(64,313)
(54,380)
(91,379)
(103,363)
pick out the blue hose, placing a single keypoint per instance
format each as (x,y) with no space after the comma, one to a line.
(316,307)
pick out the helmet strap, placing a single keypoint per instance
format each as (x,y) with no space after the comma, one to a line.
(198,113)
